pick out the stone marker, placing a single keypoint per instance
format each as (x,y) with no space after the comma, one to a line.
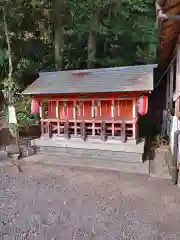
(26,151)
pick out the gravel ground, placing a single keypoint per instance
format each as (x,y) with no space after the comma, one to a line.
(62,203)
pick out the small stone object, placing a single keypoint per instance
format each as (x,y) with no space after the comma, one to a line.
(15,156)
(92,235)
(11,149)
(26,151)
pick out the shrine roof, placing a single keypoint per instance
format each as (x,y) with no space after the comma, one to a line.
(118,79)
(168,30)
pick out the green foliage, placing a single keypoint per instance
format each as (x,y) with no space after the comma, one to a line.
(10,86)
(23,113)
(125,35)
(3,57)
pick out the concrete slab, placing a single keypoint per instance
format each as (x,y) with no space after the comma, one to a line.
(159,165)
(98,145)
(81,162)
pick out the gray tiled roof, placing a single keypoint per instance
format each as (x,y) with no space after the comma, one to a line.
(120,79)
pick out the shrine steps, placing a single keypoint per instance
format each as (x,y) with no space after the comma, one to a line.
(110,152)
(90,163)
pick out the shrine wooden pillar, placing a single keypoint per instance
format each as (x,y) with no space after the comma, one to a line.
(112,115)
(49,129)
(134,119)
(75,117)
(57,116)
(93,116)
(57,109)
(41,116)
(74,110)
(103,130)
(66,129)
(100,109)
(41,108)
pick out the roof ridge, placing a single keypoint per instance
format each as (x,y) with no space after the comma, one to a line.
(99,69)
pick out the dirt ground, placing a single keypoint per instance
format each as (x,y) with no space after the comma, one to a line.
(62,203)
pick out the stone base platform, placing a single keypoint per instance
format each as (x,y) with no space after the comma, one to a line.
(111,150)
(76,162)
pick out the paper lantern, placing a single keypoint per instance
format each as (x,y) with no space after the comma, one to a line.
(34,107)
(143,105)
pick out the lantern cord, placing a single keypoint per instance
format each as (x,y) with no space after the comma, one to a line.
(166,70)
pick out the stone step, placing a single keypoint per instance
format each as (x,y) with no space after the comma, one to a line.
(90,163)
(104,155)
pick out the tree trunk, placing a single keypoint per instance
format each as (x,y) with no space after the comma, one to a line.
(91,50)
(58,8)
(8,93)
(59,47)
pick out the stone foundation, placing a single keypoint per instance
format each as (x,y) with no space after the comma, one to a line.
(111,150)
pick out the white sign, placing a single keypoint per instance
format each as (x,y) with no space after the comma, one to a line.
(12,115)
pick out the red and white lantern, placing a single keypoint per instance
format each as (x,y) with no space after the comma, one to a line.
(142,105)
(34,106)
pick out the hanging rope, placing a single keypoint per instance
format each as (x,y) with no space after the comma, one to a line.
(166,70)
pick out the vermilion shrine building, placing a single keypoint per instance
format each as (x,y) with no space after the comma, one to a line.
(94,110)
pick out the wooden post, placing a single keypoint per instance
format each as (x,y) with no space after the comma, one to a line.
(41,109)
(83,108)
(66,129)
(93,116)
(123,131)
(103,130)
(68,109)
(57,109)
(134,117)
(74,110)
(92,109)
(41,116)
(63,108)
(49,129)
(58,128)
(18,148)
(79,109)
(100,110)
(112,113)
(75,117)
(17,139)
(118,109)
(93,128)
(167,89)
(112,108)
(171,87)
(83,130)
(42,127)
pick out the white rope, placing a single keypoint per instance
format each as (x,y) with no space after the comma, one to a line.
(166,70)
